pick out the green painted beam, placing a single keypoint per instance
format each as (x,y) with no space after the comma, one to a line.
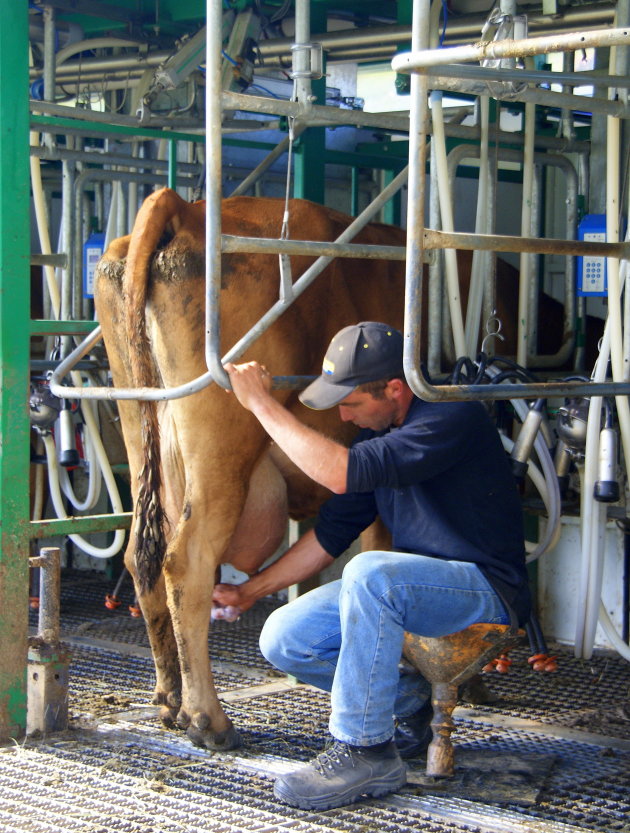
(51,327)
(73,125)
(79,525)
(14,356)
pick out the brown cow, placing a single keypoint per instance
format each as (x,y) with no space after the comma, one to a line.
(213,491)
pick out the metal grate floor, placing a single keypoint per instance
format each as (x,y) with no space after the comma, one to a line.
(116,769)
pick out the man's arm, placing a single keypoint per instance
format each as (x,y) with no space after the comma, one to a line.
(319,457)
(303,560)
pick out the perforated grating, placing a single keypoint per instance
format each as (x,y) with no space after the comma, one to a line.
(116,769)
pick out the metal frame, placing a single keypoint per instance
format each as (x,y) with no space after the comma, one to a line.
(14,340)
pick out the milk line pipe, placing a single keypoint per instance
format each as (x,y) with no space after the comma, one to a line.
(466,26)
(407,62)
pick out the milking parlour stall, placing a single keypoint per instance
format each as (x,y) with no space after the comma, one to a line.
(190,186)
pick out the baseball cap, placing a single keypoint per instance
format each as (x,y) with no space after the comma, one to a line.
(358,354)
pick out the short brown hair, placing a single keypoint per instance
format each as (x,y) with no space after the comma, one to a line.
(377,388)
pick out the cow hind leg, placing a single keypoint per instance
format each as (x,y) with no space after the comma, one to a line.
(157,618)
(189,571)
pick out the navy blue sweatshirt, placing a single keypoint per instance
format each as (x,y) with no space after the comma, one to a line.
(443,486)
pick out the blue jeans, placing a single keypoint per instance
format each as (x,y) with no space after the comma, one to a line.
(346,637)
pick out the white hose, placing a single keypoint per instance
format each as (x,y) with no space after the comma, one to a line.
(57,500)
(609,629)
(446,211)
(552,488)
(593,517)
(534,551)
(41,216)
(593,513)
(480,259)
(100,467)
(93,468)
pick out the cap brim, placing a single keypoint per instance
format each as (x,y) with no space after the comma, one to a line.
(321,394)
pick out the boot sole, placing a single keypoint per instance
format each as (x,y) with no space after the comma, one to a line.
(371,789)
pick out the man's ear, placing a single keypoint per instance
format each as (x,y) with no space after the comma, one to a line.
(395,388)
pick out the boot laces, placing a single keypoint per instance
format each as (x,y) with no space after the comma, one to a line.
(335,757)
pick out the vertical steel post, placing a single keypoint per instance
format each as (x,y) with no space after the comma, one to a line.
(14,351)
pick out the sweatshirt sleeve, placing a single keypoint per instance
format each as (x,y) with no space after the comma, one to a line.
(342,519)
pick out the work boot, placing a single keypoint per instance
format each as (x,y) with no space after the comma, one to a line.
(413,734)
(341,775)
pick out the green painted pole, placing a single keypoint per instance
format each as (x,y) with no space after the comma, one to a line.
(14,354)
(172,164)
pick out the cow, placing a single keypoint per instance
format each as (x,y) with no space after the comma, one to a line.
(208,487)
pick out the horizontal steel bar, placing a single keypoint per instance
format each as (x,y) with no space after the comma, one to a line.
(506,243)
(58,261)
(230,244)
(86,523)
(572,79)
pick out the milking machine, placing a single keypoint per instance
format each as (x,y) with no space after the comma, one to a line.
(584,438)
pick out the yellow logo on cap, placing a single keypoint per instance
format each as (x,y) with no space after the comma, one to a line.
(328,366)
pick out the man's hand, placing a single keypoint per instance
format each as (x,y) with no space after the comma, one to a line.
(229,601)
(251,382)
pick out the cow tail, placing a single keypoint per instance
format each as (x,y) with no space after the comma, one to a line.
(156,213)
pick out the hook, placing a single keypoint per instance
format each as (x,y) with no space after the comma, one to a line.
(492,333)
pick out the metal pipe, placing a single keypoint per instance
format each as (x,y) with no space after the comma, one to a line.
(161,394)
(267,162)
(418,127)
(434,312)
(506,243)
(262,245)
(301,56)
(538,76)
(411,61)
(526,231)
(57,154)
(318,114)
(214,192)
(49,53)
(466,27)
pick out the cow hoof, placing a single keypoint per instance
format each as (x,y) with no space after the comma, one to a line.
(169,707)
(214,741)
(168,717)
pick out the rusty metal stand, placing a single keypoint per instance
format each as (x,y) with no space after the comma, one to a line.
(446,662)
(48,659)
